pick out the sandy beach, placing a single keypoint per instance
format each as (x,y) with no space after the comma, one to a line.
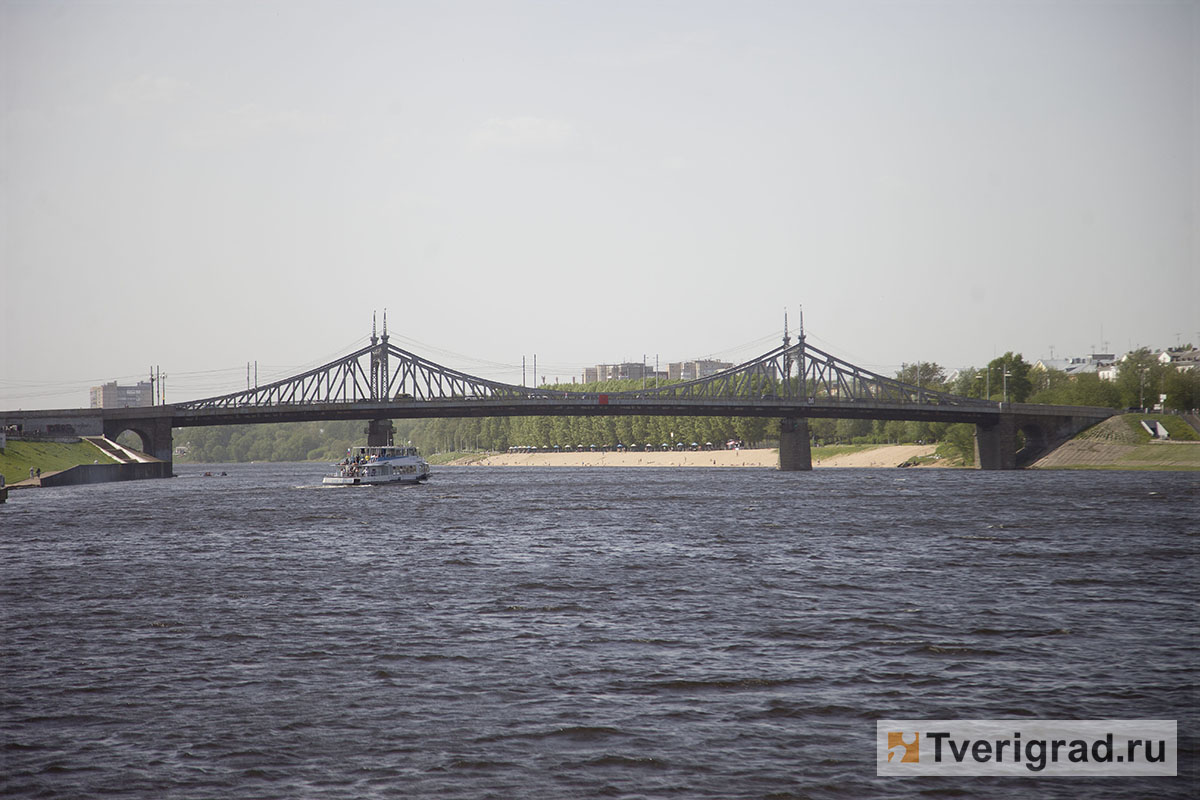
(883,456)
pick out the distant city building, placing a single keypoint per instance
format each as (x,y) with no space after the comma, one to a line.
(1096,362)
(694,370)
(1181,359)
(630,370)
(110,395)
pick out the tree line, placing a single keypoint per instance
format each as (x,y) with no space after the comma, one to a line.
(1141,380)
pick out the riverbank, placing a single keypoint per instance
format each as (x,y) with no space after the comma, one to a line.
(881,456)
(1120,443)
(20,456)
(31,464)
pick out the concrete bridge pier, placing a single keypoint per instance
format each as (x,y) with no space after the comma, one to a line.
(795,452)
(379,433)
(996,444)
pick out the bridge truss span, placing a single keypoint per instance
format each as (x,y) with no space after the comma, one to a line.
(383,374)
(378,373)
(803,373)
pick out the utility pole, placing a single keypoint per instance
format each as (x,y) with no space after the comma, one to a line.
(1006,380)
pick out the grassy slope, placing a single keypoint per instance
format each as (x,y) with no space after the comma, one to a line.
(1122,443)
(1177,429)
(18,457)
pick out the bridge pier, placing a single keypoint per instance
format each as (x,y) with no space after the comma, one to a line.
(795,451)
(379,433)
(996,444)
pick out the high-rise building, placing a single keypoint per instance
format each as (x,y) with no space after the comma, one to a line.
(694,370)
(110,395)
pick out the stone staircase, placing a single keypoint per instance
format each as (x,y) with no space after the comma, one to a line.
(119,453)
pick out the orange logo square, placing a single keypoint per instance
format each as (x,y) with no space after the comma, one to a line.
(905,745)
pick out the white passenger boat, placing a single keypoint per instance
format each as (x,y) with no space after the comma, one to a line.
(378,465)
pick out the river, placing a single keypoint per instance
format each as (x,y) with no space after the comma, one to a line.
(561,633)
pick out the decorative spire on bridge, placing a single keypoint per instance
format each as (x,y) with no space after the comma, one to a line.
(379,362)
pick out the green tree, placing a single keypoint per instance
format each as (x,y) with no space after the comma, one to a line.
(847,430)
(971,382)
(751,430)
(1086,389)
(1182,388)
(960,437)
(1048,381)
(1140,378)
(1010,373)
(895,431)
(822,430)
(924,374)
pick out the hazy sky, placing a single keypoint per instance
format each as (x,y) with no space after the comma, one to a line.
(198,185)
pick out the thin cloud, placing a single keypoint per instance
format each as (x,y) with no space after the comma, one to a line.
(146,90)
(524,134)
(251,122)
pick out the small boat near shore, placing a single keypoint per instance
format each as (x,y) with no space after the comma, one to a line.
(369,466)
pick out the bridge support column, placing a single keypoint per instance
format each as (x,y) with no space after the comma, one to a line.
(795,454)
(996,444)
(379,433)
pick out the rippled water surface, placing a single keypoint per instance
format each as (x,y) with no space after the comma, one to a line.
(546,633)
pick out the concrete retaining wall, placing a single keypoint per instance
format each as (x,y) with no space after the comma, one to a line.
(107,473)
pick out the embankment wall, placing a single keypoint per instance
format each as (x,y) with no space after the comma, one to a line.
(107,473)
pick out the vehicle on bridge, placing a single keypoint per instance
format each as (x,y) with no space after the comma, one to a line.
(369,466)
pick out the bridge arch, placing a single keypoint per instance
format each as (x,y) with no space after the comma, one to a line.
(155,433)
(143,440)
(1032,441)
(998,444)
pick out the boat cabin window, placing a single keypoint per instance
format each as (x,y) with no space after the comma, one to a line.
(367,453)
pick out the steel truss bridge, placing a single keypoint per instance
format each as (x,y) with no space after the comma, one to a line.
(793,382)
